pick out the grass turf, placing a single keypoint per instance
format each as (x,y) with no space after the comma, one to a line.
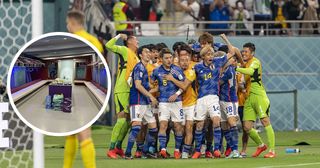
(309,156)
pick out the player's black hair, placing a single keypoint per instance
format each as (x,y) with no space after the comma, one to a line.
(251,46)
(185,48)
(224,48)
(151,47)
(165,51)
(177,45)
(160,46)
(140,49)
(125,42)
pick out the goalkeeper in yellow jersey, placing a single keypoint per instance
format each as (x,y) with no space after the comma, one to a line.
(75,21)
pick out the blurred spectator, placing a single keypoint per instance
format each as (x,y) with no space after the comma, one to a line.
(241,14)
(261,12)
(279,13)
(107,6)
(219,11)
(311,14)
(191,12)
(295,11)
(148,7)
(123,12)
(205,9)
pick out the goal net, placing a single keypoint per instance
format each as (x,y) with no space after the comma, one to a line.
(16,138)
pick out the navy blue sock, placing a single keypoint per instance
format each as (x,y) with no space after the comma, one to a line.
(132,138)
(228,136)
(162,140)
(235,136)
(209,147)
(178,139)
(151,139)
(198,136)
(217,138)
(186,148)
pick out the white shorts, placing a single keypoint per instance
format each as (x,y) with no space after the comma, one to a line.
(173,110)
(155,110)
(142,113)
(228,109)
(189,112)
(207,105)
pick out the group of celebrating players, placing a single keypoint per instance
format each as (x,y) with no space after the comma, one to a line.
(197,90)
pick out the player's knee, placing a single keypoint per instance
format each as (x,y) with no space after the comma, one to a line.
(265,121)
(199,125)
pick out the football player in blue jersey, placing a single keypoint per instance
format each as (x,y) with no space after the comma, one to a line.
(170,101)
(140,100)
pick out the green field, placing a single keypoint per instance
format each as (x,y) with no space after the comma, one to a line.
(309,156)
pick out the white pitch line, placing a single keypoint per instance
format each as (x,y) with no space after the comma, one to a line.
(293,165)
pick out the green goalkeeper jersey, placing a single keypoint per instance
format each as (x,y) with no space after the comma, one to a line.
(127,60)
(255,72)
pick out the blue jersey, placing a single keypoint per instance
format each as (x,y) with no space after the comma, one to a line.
(139,73)
(208,76)
(167,88)
(228,84)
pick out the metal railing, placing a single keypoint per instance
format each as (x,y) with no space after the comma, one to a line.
(268,27)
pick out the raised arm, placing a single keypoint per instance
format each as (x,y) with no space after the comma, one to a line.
(111,44)
(230,47)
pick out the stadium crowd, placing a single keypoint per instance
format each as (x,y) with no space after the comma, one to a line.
(222,10)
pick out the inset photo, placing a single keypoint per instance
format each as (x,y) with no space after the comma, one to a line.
(59,84)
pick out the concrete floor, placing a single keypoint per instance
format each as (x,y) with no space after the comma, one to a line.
(83,111)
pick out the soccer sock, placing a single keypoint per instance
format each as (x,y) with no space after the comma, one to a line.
(198,136)
(162,140)
(234,137)
(168,131)
(228,135)
(178,139)
(151,138)
(132,138)
(186,148)
(255,136)
(140,146)
(116,131)
(123,133)
(88,153)
(271,138)
(70,150)
(217,138)
(209,146)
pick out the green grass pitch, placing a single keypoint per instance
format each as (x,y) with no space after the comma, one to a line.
(309,156)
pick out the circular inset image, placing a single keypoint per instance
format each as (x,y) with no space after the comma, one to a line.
(58,84)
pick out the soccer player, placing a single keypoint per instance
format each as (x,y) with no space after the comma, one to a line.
(189,97)
(170,104)
(140,97)
(75,25)
(243,83)
(257,104)
(127,60)
(208,101)
(229,103)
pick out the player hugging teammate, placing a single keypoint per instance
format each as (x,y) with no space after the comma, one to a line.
(198,101)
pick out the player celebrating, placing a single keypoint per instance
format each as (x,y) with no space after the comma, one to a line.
(127,60)
(75,22)
(170,104)
(229,102)
(140,109)
(257,104)
(189,97)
